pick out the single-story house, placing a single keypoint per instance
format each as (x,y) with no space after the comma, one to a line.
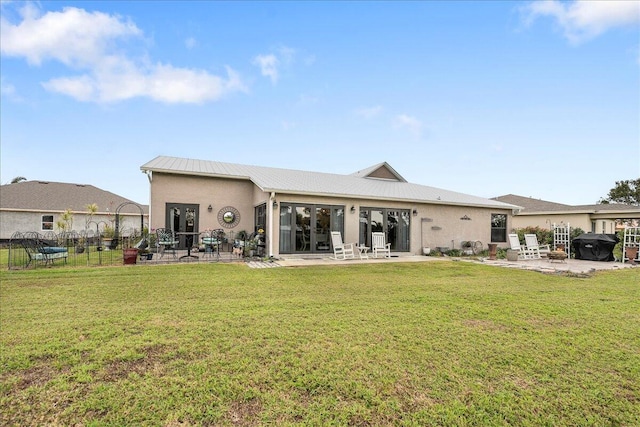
(297,210)
(597,218)
(40,205)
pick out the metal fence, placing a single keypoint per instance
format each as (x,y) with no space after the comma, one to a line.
(86,248)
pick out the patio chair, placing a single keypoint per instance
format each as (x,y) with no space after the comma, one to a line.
(212,242)
(523,252)
(378,245)
(535,249)
(166,239)
(341,250)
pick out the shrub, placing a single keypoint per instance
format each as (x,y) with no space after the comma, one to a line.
(545,237)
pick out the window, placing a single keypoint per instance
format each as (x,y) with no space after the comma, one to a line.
(47,222)
(498,227)
(260,217)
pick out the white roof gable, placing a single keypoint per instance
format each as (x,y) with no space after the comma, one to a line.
(319,183)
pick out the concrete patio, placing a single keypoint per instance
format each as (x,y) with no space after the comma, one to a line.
(542,265)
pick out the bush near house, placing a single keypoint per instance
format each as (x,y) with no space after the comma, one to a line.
(545,237)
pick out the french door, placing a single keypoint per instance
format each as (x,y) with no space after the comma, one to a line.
(394,223)
(307,228)
(183,218)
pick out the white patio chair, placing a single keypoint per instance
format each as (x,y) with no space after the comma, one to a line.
(523,252)
(378,245)
(535,249)
(341,250)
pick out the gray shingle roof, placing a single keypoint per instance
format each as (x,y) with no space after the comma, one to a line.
(58,196)
(319,183)
(536,206)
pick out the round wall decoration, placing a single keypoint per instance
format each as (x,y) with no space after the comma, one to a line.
(228,217)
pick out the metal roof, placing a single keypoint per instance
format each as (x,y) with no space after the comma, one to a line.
(319,183)
(45,196)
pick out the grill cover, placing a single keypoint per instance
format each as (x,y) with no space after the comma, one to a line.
(595,247)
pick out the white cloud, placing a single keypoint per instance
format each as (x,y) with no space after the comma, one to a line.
(582,20)
(286,54)
(279,59)
(7,89)
(268,66)
(369,112)
(410,123)
(190,43)
(160,82)
(73,36)
(87,41)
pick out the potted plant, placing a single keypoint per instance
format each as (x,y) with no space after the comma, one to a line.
(512,255)
(82,241)
(250,247)
(631,252)
(108,233)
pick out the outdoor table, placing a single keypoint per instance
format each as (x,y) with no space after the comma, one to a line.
(363,252)
(189,233)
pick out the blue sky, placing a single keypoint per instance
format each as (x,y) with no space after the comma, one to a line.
(538,99)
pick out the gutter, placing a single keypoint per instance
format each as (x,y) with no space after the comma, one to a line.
(270,230)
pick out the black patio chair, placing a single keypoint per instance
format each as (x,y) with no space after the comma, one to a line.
(166,239)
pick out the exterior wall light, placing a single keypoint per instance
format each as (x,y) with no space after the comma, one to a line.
(353,209)
(210,208)
(415,212)
(275,203)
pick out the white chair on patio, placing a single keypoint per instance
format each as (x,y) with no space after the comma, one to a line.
(523,252)
(341,250)
(534,248)
(378,245)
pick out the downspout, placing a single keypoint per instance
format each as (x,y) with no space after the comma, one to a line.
(150,178)
(270,222)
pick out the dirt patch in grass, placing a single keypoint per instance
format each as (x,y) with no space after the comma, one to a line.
(485,325)
(35,376)
(151,361)
(244,413)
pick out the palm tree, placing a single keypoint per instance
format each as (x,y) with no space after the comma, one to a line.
(18,179)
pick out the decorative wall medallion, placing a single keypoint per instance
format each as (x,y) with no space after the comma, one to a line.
(228,217)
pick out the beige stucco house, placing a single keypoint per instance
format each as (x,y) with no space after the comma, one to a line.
(298,209)
(38,206)
(597,218)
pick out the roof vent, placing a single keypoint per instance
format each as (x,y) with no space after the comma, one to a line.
(42,182)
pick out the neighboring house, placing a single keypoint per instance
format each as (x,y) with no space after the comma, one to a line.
(39,205)
(298,209)
(597,218)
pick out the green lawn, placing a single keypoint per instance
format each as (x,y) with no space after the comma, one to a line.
(441,343)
